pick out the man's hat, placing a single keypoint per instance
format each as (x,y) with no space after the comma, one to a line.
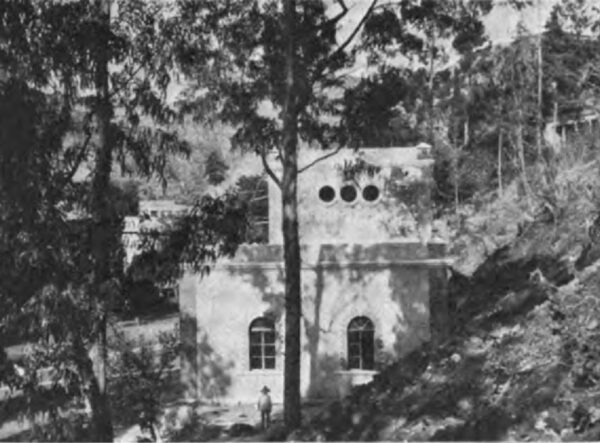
(265,389)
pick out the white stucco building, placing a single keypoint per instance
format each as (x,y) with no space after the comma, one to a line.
(373,283)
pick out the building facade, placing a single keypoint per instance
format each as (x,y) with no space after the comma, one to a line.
(373,283)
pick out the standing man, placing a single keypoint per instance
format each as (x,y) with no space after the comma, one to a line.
(264,406)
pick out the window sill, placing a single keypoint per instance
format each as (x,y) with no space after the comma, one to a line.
(263,371)
(357,372)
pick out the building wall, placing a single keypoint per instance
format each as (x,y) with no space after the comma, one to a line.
(389,283)
(154,215)
(376,258)
(162,208)
(391,217)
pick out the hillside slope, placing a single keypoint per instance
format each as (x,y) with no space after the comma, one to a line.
(523,361)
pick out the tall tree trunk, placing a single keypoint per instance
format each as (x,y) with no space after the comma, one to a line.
(457,156)
(430,85)
(291,240)
(521,156)
(539,126)
(101,231)
(455,129)
(500,142)
(455,162)
(95,398)
(456,179)
(555,108)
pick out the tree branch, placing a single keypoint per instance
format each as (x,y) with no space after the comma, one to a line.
(386,5)
(342,14)
(256,189)
(280,153)
(132,74)
(348,40)
(324,62)
(319,159)
(79,158)
(268,169)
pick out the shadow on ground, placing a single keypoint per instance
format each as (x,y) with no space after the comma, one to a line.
(224,423)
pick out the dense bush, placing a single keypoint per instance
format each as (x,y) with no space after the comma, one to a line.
(141,379)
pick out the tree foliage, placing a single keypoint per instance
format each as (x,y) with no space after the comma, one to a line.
(213,227)
(63,124)
(431,98)
(476,101)
(247,85)
(143,376)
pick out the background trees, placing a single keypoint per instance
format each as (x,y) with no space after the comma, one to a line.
(435,92)
(491,100)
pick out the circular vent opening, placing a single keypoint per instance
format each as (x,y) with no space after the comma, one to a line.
(348,193)
(327,194)
(370,193)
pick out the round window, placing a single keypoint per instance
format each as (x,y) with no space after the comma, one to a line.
(370,193)
(327,194)
(348,193)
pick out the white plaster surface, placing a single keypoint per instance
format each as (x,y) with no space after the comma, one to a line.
(371,259)
(360,221)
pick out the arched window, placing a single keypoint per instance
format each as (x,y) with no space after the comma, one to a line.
(361,343)
(262,344)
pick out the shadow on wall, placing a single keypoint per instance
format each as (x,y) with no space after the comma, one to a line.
(270,283)
(213,371)
(409,289)
(321,368)
(324,377)
(273,294)
(271,289)
(204,373)
(188,351)
(327,371)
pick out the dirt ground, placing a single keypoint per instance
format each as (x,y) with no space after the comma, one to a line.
(222,419)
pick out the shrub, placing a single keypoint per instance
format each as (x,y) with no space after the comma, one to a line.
(141,376)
